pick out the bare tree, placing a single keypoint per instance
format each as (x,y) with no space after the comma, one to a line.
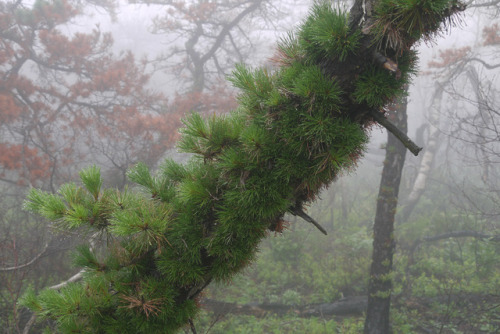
(205,39)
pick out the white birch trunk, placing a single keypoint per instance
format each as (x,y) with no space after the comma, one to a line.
(430,150)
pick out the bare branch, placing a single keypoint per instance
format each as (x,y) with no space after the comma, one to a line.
(453,234)
(76,277)
(476,4)
(407,142)
(299,212)
(27,263)
(485,64)
(191,325)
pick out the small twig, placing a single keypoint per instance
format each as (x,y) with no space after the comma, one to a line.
(405,140)
(387,64)
(28,263)
(299,212)
(29,324)
(191,324)
(217,318)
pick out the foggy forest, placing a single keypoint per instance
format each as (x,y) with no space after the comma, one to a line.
(250,166)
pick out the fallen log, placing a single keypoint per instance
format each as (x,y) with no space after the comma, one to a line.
(349,306)
(345,306)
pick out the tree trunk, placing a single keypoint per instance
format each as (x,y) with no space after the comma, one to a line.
(380,283)
(431,148)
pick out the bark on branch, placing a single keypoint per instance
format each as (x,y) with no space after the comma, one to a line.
(405,140)
(299,212)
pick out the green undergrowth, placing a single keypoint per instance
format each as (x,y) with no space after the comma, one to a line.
(447,282)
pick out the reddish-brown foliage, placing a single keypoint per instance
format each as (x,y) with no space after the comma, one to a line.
(491,35)
(449,57)
(66,99)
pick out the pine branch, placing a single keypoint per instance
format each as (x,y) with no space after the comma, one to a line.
(76,277)
(405,140)
(299,212)
(387,64)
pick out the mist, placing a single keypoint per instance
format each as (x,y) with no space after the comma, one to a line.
(109,83)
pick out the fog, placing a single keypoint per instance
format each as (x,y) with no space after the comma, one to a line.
(83,85)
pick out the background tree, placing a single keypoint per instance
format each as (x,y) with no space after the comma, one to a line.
(468,126)
(206,39)
(380,281)
(448,70)
(60,91)
(294,132)
(203,40)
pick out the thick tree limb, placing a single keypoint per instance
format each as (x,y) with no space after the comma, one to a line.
(405,140)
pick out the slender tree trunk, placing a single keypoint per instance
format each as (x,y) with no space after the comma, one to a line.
(481,124)
(431,148)
(380,283)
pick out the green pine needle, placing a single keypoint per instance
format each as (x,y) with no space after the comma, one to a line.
(325,34)
(47,205)
(91,179)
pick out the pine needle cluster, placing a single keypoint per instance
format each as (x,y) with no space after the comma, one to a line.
(295,130)
(400,23)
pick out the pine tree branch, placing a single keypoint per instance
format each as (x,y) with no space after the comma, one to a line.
(73,278)
(405,140)
(387,63)
(299,212)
